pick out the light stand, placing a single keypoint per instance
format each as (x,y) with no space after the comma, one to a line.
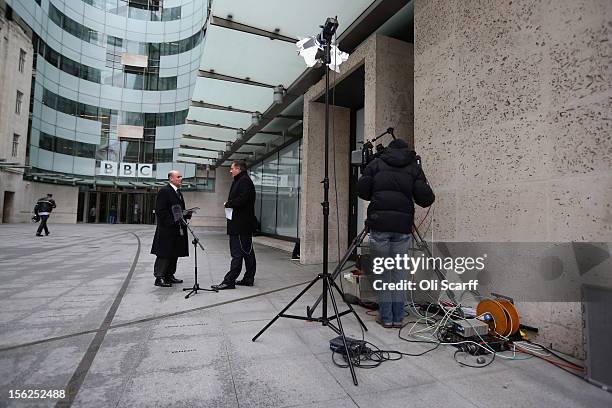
(347,255)
(325,38)
(196,242)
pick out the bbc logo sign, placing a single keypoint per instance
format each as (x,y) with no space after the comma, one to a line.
(108,168)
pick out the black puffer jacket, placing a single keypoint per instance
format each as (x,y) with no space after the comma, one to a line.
(241,199)
(393,183)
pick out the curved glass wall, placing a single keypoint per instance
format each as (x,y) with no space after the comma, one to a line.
(113,83)
(148,10)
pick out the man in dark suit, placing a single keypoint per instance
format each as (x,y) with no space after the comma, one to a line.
(240,228)
(170,241)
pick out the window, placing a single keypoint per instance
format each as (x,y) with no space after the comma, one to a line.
(167,84)
(18,102)
(22,57)
(64,146)
(69,66)
(132,118)
(74,28)
(163,155)
(52,57)
(15,145)
(165,119)
(67,106)
(170,14)
(86,150)
(46,142)
(269,192)
(50,99)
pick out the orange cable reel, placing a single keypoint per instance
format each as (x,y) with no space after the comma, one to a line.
(504,318)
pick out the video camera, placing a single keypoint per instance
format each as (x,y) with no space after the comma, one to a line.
(364,156)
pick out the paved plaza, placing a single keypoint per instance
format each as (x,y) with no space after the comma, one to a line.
(79,312)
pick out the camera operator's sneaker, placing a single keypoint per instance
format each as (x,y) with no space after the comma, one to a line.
(383,324)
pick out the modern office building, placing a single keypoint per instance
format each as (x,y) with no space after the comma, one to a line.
(110,95)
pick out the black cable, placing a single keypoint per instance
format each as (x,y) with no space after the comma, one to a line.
(470,365)
(368,354)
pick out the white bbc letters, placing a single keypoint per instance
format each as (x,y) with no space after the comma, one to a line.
(145,170)
(127,170)
(108,168)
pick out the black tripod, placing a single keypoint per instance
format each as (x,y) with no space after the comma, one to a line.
(347,255)
(325,38)
(196,242)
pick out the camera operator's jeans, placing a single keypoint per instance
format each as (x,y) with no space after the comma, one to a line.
(388,245)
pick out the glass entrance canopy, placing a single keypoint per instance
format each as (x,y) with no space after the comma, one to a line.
(249,54)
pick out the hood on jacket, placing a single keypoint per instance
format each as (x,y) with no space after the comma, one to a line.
(398,154)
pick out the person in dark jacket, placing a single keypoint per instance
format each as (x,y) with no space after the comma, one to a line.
(393,183)
(43,209)
(240,228)
(170,241)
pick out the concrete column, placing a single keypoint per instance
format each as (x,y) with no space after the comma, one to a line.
(313,153)
(389,90)
(86,208)
(98,195)
(119,197)
(388,103)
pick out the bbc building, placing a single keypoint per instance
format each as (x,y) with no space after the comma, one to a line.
(507,108)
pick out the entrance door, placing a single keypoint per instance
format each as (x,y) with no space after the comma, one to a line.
(7,209)
(149,208)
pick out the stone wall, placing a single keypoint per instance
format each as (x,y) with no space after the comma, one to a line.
(12,40)
(512,119)
(212,213)
(66,198)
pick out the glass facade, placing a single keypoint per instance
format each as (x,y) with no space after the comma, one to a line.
(277,183)
(85,92)
(148,10)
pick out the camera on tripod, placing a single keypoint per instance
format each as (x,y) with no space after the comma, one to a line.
(368,152)
(328,30)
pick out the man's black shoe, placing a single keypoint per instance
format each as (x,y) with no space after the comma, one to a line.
(172,279)
(39,235)
(223,286)
(243,283)
(162,282)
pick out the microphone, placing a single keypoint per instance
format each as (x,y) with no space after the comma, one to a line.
(177,214)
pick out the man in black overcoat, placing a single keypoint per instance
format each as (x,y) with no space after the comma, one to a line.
(240,228)
(170,241)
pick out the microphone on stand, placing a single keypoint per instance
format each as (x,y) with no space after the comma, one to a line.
(177,214)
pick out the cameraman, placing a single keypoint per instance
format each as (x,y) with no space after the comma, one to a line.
(392,183)
(43,209)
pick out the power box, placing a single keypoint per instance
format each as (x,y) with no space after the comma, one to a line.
(470,327)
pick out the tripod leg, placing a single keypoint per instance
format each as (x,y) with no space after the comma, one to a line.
(350,307)
(350,362)
(271,322)
(354,244)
